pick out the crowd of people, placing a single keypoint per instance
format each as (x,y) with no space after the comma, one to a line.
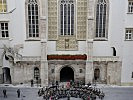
(72,89)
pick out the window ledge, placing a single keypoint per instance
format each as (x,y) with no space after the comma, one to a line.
(129,12)
(100,39)
(66,35)
(3,38)
(129,40)
(6,12)
(33,39)
(3,12)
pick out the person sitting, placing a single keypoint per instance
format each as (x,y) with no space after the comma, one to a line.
(89,84)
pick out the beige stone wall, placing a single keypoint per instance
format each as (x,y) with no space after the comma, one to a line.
(24,72)
(114,73)
(110,72)
(102,66)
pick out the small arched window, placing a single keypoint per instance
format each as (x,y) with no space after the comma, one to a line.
(33,19)
(101,19)
(114,51)
(36,73)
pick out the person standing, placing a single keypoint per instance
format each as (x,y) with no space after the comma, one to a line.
(68,85)
(5,93)
(18,93)
(32,83)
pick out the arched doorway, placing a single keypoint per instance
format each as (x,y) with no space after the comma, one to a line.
(96,74)
(6,70)
(6,75)
(66,74)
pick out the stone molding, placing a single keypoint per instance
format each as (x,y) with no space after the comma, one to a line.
(106,58)
(68,62)
(43,17)
(29,58)
(95,58)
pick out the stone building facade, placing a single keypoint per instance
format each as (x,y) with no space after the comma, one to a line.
(63,40)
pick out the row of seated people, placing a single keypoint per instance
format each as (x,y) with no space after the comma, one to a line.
(85,92)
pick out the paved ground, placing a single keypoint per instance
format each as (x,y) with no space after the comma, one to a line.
(112,93)
(26,94)
(118,93)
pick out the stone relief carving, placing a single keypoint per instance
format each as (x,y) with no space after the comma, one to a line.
(67,43)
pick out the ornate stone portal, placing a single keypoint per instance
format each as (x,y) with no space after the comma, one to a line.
(75,67)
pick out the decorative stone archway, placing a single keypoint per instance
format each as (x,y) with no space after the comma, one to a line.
(66,74)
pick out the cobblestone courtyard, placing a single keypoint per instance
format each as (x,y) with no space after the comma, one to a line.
(111,93)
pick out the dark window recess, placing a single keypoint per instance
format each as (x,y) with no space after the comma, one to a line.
(6,58)
(80,70)
(96,74)
(132,74)
(114,51)
(36,73)
(52,71)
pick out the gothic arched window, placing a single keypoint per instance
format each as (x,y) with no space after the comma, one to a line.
(33,19)
(3,6)
(36,73)
(101,19)
(67,17)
